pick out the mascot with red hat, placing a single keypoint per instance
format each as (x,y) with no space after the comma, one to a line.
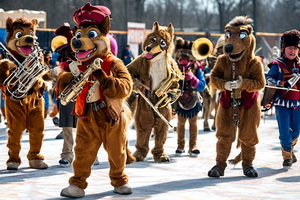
(104,84)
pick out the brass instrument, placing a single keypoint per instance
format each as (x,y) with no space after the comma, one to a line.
(22,78)
(168,95)
(202,48)
(156,110)
(71,92)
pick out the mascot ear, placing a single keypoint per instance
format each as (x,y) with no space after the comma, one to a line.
(155,26)
(170,29)
(250,30)
(9,24)
(179,42)
(105,25)
(34,22)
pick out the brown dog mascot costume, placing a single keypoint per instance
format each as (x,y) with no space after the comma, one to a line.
(100,104)
(238,74)
(23,111)
(150,72)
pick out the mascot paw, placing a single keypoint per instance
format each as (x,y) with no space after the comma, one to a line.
(137,85)
(139,156)
(6,65)
(72,191)
(250,171)
(123,189)
(37,164)
(216,171)
(13,165)
(162,158)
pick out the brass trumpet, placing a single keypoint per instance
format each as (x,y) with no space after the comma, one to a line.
(202,48)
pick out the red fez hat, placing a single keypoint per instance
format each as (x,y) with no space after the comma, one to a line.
(89,14)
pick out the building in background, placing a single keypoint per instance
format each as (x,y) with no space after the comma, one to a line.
(40,15)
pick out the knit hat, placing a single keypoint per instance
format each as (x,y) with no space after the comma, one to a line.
(89,14)
(290,38)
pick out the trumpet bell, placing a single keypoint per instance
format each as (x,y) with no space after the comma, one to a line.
(58,41)
(202,48)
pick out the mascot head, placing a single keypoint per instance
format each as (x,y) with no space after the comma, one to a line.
(90,33)
(183,53)
(239,38)
(21,35)
(290,38)
(159,43)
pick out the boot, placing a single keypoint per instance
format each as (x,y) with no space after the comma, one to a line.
(287,158)
(37,164)
(294,158)
(249,171)
(216,171)
(123,189)
(72,191)
(13,165)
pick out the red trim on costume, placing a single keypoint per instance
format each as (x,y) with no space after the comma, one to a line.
(80,104)
(248,99)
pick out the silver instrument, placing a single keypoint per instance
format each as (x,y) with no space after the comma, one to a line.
(22,78)
(70,93)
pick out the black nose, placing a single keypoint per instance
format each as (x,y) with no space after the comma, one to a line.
(29,39)
(228,48)
(76,43)
(184,55)
(148,49)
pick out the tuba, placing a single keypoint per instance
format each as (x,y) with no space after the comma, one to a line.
(202,48)
(71,92)
(22,78)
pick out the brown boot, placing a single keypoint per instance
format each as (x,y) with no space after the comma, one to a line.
(287,158)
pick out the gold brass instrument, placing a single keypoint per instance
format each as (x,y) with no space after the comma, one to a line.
(71,92)
(167,94)
(202,48)
(22,78)
(156,110)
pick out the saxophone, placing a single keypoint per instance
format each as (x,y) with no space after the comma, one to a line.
(23,78)
(71,92)
(168,94)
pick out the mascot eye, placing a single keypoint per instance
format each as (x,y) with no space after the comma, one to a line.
(163,43)
(19,34)
(31,33)
(228,34)
(78,35)
(153,40)
(92,34)
(243,35)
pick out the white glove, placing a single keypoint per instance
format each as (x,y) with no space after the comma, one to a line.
(231,85)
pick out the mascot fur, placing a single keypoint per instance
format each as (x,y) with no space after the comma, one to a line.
(25,112)
(100,108)
(150,71)
(238,74)
(189,104)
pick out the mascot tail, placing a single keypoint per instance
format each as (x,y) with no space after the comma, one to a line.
(238,158)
